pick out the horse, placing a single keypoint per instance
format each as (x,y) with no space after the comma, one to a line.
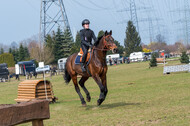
(97,68)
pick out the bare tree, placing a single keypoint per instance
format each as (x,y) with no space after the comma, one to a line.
(48,56)
(47,53)
(157,46)
(34,50)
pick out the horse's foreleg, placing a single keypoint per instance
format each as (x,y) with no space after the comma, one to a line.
(74,78)
(104,82)
(81,82)
(102,89)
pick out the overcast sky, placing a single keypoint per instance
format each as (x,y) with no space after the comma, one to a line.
(20,18)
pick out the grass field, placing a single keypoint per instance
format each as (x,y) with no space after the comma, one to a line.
(136,96)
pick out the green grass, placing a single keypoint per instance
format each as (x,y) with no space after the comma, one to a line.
(137,96)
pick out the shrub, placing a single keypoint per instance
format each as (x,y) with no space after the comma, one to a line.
(153,62)
(184,58)
(7,58)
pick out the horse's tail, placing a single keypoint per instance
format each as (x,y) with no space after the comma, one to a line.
(67,76)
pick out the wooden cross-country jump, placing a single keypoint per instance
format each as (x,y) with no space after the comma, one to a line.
(33,111)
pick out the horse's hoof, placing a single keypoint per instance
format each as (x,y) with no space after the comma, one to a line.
(98,103)
(88,99)
(83,105)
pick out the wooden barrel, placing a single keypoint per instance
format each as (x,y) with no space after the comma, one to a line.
(35,89)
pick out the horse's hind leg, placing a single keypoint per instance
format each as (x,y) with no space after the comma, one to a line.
(81,82)
(74,78)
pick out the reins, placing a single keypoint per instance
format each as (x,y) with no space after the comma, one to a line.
(100,49)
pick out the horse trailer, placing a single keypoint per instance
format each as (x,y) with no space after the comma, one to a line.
(61,63)
(137,56)
(4,72)
(26,67)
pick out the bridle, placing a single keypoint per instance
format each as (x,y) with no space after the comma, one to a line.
(106,45)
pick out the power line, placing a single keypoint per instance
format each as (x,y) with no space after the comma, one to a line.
(87,6)
(98,6)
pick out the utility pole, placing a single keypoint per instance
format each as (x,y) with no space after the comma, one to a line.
(52,16)
(133,13)
(150,26)
(187,24)
(185,21)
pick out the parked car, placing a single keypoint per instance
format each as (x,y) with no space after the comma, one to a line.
(4,72)
(45,69)
(147,56)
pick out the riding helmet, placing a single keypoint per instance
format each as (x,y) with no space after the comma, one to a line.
(85,21)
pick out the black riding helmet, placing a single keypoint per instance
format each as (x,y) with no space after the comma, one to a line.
(85,21)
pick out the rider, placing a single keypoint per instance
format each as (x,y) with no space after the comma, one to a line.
(86,36)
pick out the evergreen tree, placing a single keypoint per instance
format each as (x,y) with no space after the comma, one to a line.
(67,43)
(101,33)
(184,58)
(78,40)
(49,42)
(119,47)
(132,41)
(14,52)
(26,53)
(2,51)
(153,62)
(16,55)
(63,44)
(10,50)
(58,50)
(21,53)
(76,46)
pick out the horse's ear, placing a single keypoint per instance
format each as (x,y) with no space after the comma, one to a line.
(110,32)
(106,33)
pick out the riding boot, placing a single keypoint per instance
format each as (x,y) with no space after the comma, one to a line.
(83,67)
(85,51)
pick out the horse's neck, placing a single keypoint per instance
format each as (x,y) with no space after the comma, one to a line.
(100,54)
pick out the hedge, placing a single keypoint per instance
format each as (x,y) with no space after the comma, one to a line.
(7,58)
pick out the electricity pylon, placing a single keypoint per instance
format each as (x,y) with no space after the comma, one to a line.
(52,16)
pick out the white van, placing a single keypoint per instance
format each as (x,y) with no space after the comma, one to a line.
(137,56)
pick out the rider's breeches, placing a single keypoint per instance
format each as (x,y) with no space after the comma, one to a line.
(85,51)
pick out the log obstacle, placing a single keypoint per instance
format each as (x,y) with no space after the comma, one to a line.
(34,111)
(160,60)
(35,89)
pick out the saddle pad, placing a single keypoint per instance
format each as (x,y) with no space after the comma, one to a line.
(77,60)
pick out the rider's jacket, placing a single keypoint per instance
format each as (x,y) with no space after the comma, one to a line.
(86,36)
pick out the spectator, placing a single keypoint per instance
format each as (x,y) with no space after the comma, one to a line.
(110,60)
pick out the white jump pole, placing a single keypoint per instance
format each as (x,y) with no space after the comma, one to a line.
(41,64)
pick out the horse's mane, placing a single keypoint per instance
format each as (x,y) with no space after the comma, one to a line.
(98,41)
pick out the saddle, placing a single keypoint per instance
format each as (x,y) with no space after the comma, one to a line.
(81,54)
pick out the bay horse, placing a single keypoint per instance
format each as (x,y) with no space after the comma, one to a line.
(97,68)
